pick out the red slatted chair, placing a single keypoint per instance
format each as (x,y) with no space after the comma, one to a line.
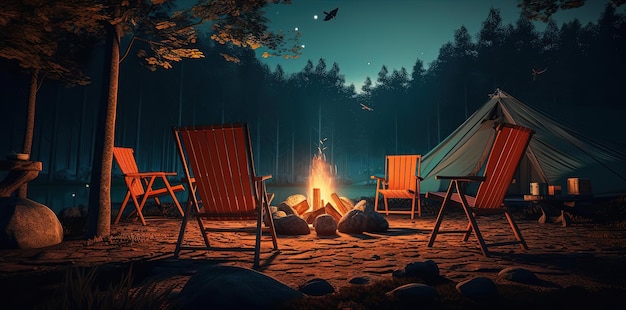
(141,185)
(508,147)
(402,181)
(219,168)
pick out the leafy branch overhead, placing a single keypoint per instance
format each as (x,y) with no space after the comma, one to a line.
(169,36)
(244,25)
(39,36)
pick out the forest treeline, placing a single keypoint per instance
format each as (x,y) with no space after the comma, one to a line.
(294,116)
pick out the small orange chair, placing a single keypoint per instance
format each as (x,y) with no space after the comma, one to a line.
(506,152)
(402,181)
(141,184)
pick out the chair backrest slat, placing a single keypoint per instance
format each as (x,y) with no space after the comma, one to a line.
(221,162)
(401,171)
(507,150)
(126,161)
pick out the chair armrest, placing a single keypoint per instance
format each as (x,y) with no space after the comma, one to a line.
(379,178)
(465,178)
(145,174)
(150,174)
(262,178)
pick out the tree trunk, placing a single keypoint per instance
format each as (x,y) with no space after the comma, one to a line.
(99,220)
(30,124)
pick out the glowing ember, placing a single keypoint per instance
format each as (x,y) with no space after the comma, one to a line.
(321,178)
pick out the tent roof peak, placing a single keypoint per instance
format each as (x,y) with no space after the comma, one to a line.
(498,94)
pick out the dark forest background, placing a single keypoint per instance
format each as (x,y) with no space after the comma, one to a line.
(291,114)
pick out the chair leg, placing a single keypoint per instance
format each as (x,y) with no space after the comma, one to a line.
(183,227)
(419,205)
(419,199)
(271,226)
(257,243)
(479,236)
(121,210)
(473,225)
(169,189)
(444,204)
(516,231)
(139,207)
(433,234)
(413,207)
(386,205)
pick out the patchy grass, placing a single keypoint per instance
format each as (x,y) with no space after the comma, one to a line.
(95,288)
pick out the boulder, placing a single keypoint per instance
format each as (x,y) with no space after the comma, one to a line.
(416,293)
(26,224)
(317,287)
(286,208)
(428,270)
(375,222)
(231,287)
(520,275)
(325,225)
(291,225)
(479,288)
(352,222)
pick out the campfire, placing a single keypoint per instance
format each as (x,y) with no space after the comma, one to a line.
(321,181)
(323,208)
(321,197)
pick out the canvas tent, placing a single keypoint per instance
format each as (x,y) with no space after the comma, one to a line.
(555,152)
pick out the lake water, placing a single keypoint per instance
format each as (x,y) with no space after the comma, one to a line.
(58,196)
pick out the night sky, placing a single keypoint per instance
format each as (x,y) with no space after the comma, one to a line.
(367,34)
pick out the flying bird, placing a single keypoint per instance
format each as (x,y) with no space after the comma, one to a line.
(536,73)
(330,15)
(364,107)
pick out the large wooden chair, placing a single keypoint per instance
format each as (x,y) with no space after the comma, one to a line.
(510,144)
(219,168)
(141,185)
(401,181)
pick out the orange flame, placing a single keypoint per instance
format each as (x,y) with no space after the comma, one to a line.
(321,177)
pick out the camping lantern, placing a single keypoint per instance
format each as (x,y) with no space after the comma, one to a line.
(538,188)
(578,186)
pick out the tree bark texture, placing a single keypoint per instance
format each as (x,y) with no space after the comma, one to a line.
(99,219)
